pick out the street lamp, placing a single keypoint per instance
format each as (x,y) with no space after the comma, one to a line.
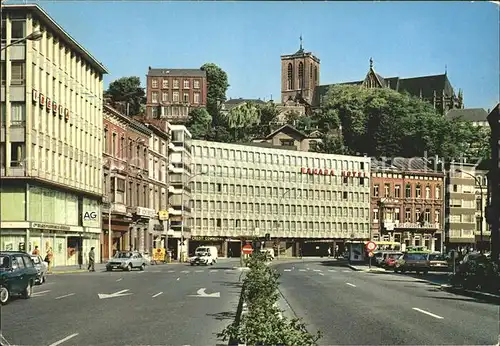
(34,36)
(480,204)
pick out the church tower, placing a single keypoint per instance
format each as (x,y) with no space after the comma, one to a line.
(299,76)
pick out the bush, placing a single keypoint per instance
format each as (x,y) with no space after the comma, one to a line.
(263,323)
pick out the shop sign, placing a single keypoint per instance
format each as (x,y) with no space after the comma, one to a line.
(141,211)
(201,238)
(326,171)
(90,216)
(49,226)
(163,215)
(50,105)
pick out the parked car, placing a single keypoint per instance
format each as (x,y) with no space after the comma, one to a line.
(126,260)
(438,262)
(17,275)
(42,267)
(413,262)
(392,259)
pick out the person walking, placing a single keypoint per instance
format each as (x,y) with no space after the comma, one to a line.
(49,259)
(91,267)
(35,251)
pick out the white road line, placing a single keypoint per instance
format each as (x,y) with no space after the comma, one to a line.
(332,270)
(120,279)
(171,271)
(185,271)
(348,283)
(316,270)
(428,313)
(157,294)
(346,271)
(214,270)
(199,271)
(155,271)
(178,279)
(288,270)
(321,274)
(39,293)
(66,295)
(302,270)
(4,341)
(64,340)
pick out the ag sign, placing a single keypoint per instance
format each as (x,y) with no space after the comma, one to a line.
(90,216)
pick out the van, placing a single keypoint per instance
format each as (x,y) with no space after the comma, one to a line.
(211,250)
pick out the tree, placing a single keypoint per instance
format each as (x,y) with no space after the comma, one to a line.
(199,123)
(241,118)
(127,91)
(217,85)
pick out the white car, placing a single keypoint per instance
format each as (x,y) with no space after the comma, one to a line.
(202,259)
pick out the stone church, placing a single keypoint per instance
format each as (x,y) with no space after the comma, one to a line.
(300,76)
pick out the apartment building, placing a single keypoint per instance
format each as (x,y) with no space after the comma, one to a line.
(306,201)
(50,146)
(126,183)
(172,93)
(180,176)
(482,232)
(461,206)
(407,203)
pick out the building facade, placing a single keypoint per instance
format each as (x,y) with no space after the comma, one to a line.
(306,201)
(180,176)
(50,151)
(482,232)
(493,209)
(407,203)
(126,183)
(461,207)
(172,93)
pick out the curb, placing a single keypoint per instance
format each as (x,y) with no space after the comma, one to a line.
(489,297)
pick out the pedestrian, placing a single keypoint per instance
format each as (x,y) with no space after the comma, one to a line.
(329,252)
(35,251)
(49,259)
(91,267)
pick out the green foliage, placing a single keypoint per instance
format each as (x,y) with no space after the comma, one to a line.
(199,123)
(217,84)
(127,90)
(263,324)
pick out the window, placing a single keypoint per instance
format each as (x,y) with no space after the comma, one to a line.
(418,191)
(176,84)
(154,83)
(186,84)
(375,190)
(2,155)
(16,154)
(154,97)
(427,192)
(408,191)
(196,98)
(175,96)
(397,191)
(164,83)
(387,189)
(18,114)
(185,98)
(437,193)
(408,215)
(345,194)
(17,73)
(196,84)
(3,71)
(164,96)
(17,30)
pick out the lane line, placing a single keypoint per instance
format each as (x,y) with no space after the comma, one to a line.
(321,274)
(316,270)
(39,293)
(185,271)
(199,271)
(428,313)
(66,295)
(214,270)
(346,271)
(4,340)
(171,271)
(302,270)
(288,270)
(178,279)
(120,279)
(332,270)
(64,340)
(352,285)
(157,294)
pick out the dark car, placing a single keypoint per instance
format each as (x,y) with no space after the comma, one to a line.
(17,275)
(413,262)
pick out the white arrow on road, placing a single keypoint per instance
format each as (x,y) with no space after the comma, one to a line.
(114,295)
(201,293)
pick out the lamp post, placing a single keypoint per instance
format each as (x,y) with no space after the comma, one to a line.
(480,204)
(34,36)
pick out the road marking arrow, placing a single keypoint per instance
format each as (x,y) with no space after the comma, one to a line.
(114,295)
(201,293)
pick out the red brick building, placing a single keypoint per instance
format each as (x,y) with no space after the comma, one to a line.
(172,93)
(407,203)
(126,184)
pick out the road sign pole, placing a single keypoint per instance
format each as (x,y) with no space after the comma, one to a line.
(370,262)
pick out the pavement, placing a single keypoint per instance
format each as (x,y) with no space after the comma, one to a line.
(362,308)
(163,305)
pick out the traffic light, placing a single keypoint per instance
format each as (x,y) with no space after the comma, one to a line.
(268,236)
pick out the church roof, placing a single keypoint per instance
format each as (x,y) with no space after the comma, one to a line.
(468,114)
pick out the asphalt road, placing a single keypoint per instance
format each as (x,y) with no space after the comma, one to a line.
(359,308)
(159,306)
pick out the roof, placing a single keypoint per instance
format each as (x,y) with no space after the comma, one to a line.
(134,124)
(52,24)
(468,114)
(289,130)
(176,72)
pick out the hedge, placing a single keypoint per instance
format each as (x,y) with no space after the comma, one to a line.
(262,323)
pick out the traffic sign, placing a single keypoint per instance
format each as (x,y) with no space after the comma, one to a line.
(247,249)
(371,246)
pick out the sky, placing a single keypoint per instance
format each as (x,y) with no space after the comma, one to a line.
(246,39)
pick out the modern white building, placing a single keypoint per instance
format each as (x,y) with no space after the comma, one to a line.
(305,201)
(180,175)
(50,147)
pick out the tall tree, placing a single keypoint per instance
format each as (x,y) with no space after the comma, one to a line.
(199,123)
(241,118)
(127,93)
(217,87)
